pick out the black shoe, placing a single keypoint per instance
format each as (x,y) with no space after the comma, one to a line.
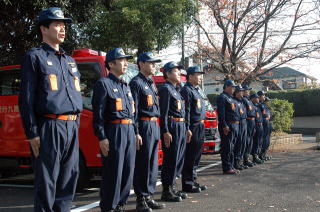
(178,193)
(119,208)
(244,166)
(237,165)
(142,205)
(202,187)
(191,189)
(257,160)
(153,204)
(248,163)
(261,157)
(168,195)
(268,157)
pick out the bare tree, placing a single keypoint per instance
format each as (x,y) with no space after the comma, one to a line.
(247,38)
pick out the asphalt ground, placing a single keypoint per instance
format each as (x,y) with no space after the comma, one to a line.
(289,182)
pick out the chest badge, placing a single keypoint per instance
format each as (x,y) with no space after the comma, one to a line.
(115,90)
(146,87)
(49,63)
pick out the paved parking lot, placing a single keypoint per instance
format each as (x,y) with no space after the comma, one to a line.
(289,182)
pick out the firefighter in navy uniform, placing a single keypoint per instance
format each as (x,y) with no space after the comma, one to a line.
(113,114)
(251,124)
(240,144)
(173,132)
(146,100)
(267,128)
(195,115)
(229,119)
(258,135)
(50,103)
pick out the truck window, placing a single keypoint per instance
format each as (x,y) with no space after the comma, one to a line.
(89,75)
(9,82)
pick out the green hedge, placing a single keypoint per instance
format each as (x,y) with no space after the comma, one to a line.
(306,102)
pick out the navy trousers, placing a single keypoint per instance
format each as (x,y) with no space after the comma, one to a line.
(193,154)
(146,166)
(227,146)
(173,157)
(266,136)
(118,166)
(257,140)
(241,141)
(56,168)
(251,125)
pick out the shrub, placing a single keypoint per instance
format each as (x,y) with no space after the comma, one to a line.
(282,111)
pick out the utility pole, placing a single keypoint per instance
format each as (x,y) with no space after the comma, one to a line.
(197,17)
(182,47)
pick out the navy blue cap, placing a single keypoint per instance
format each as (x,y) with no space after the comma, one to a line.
(229,82)
(261,93)
(246,87)
(239,88)
(52,13)
(254,95)
(194,69)
(170,65)
(116,53)
(148,57)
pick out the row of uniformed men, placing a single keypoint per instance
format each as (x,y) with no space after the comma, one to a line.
(244,127)
(125,115)
(124,121)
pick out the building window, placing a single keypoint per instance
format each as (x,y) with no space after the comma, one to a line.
(289,84)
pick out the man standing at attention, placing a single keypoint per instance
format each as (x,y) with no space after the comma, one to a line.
(240,144)
(258,136)
(229,119)
(173,131)
(113,114)
(251,125)
(146,100)
(195,115)
(50,103)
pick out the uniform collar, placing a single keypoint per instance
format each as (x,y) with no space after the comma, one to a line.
(145,78)
(227,94)
(48,48)
(116,79)
(191,86)
(175,87)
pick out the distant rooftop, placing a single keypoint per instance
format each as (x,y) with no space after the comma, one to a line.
(284,72)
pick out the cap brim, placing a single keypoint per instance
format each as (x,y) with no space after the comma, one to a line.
(67,20)
(125,56)
(155,60)
(179,67)
(248,89)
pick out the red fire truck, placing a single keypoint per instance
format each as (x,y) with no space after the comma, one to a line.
(14,148)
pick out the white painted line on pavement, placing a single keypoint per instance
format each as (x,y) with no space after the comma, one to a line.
(96,204)
(16,186)
(208,166)
(86,207)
